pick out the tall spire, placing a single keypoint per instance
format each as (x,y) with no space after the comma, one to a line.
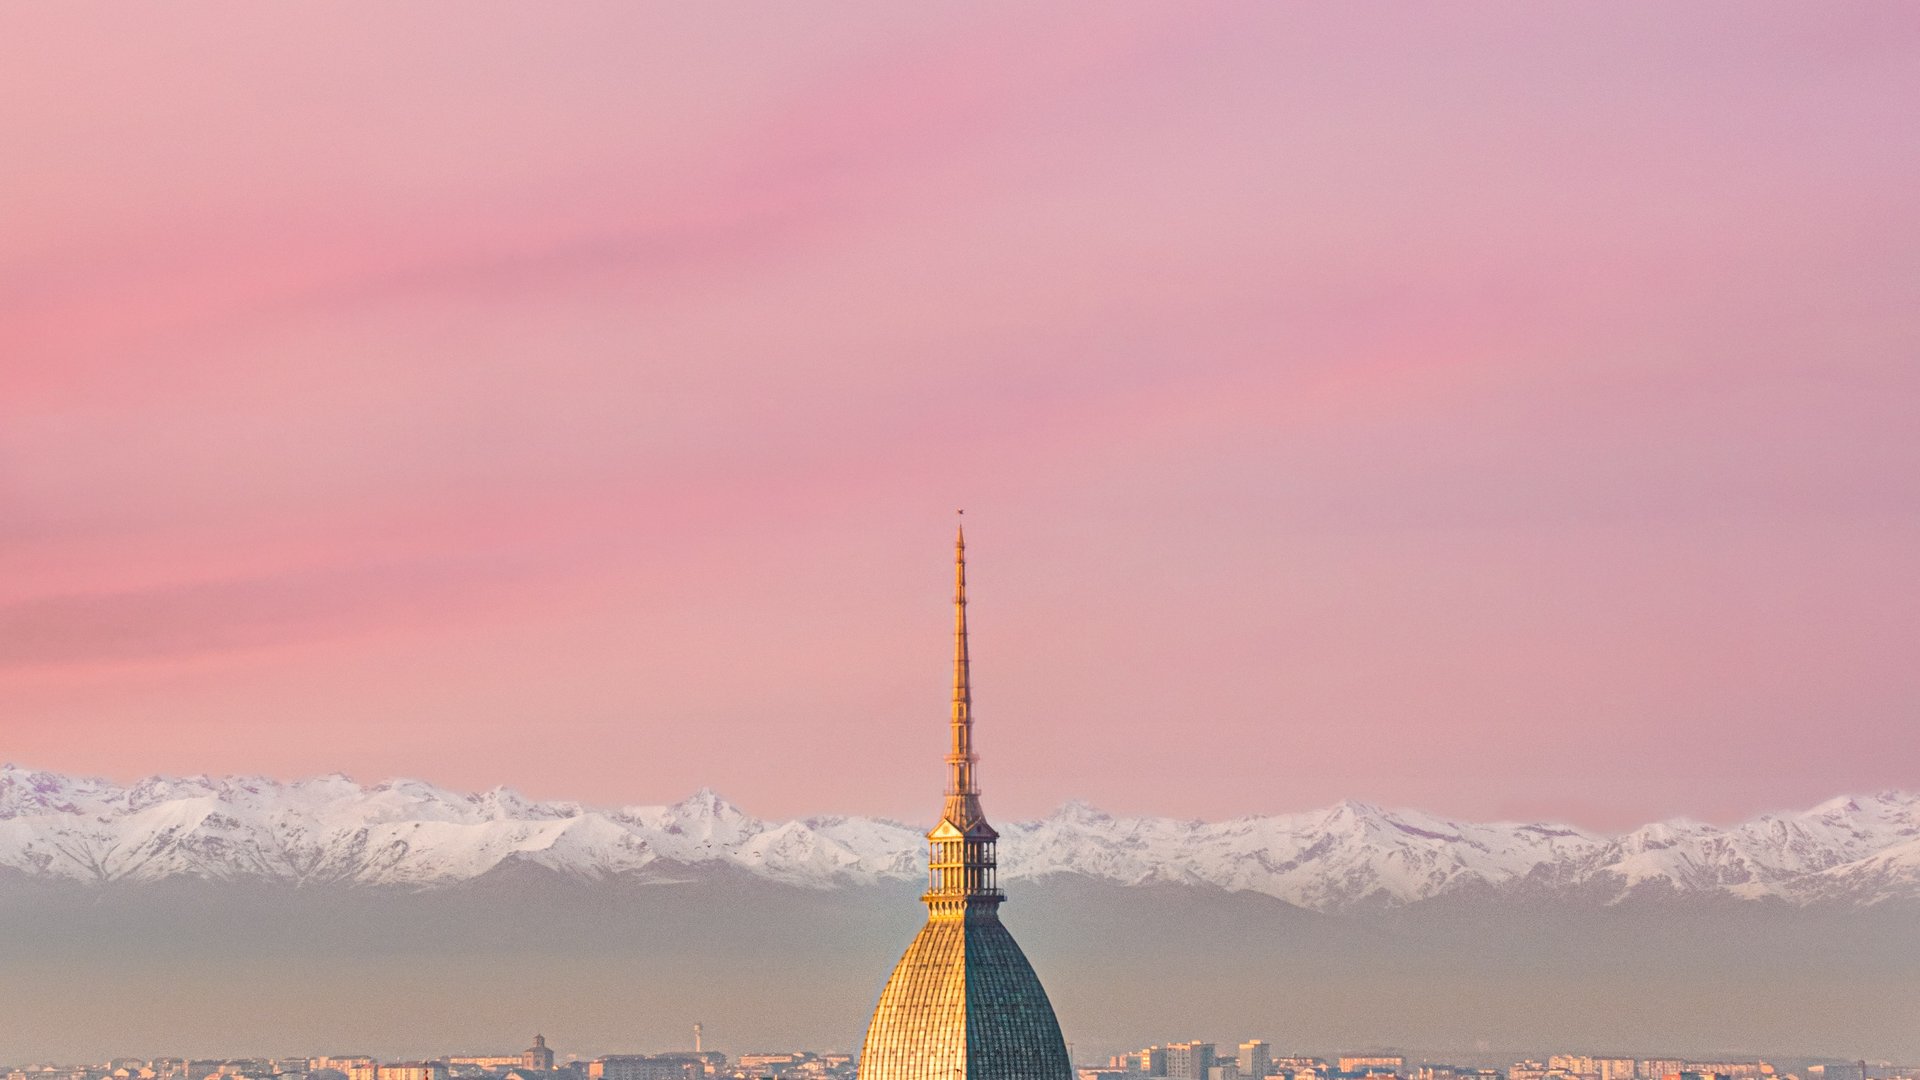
(963,1003)
(963,795)
(961,847)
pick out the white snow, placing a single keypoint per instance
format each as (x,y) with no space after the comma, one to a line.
(1857,850)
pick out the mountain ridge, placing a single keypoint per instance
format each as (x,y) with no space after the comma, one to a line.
(1847,852)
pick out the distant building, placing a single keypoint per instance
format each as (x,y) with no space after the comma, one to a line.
(403,1070)
(758,1062)
(648,1067)
(1189,1060)
(1256,1059)
(538,1056)
(1459,1072)
(1376,1063)
(1849,1071)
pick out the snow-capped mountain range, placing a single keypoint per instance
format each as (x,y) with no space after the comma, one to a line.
(331,831)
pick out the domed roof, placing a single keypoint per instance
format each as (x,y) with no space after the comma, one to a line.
(964,1004)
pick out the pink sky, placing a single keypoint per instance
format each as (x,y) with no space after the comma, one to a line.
(1503,410)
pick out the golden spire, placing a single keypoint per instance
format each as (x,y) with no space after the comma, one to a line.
(963,797)
(961,854)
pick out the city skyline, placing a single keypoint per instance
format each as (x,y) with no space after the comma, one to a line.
(1499,411)
(1189,1060)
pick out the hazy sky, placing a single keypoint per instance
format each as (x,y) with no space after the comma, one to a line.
(1504,410)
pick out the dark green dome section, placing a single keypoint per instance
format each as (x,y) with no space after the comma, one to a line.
(1011,1029)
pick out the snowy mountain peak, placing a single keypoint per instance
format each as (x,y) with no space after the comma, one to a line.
(1081,812)
(707,802)
(328,830)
